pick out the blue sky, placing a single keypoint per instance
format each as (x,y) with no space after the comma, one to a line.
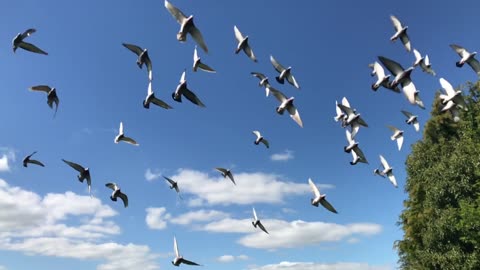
(49,221)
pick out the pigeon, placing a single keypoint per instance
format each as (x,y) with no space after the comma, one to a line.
(51,95)
(84,173)
(387,170)
(402,77)
(179,259)
(186,26)
(183,90)
(243,44)
(256,222)
(319,198)
(117,193)
(226,173)
(452,95)
(152,99)
(263,81)
(412,119)
(353,148)
(285,73)
(18,42)
(397,135)
(260,139)
(352,119)
(340,114)
(28,159)
(453,109)
(173,184)
(197,63)
(287,104)
(423,62)
(466,57)
(400,32)
(382,79)
(122,137)
(143,58)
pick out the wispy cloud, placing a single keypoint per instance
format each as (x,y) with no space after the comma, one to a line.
(152,175)
(321,266)
(157,218)
(285,156)
(8,156)
(231,258)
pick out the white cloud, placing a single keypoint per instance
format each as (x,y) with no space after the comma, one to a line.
(231,258)
(152,175)
(8,155)
(321,266)
(286,155)
(3,267)
(198,216)
(157,218)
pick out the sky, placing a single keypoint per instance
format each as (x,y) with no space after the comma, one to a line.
(49,221)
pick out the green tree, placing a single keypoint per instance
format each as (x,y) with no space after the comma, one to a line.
(441,217)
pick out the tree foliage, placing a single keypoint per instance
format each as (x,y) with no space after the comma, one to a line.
(441,217)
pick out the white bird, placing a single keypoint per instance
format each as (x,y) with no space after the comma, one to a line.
(28,159)
(260,139)
(51,95)
(263,82)
(121,137)
(197,63)
(453,109)
(256,222)
(117,193)
(183,90)
(400,32)
(179,259)
(84,173)
(285,73)
(18,41)
(225,173)
(397,135)
(387,170)
(243,44)
(382,79)
(423,62)
(319,198)
(353,148)
(452,95)
(287,104)
(352,119)
(412,120)
(152,99)
(142,59)
(186,26)
(466,57)
(340,114)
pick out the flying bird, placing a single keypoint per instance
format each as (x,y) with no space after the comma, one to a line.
(117,193)
(197,63)
(412,120)
(263,82)
(260,139)
(340,114)
(183,90)
(225,173)
(256,222)
(28,159)
(179,259)
(400,32)
(51,95)
(18,41)
(382,79)
(423,62)
(285,73)
(319,198)
(142,59)
(287,104)
(466,57)
(397,136)
(173,184)
(387,170)
(243,44)
(452,95)
(84,173)
(453,109)
(121,137)
(352,119)
(152,99)
(353,148)
(186,26)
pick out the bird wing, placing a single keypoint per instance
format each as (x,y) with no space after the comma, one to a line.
(120,129)
(111,186)
(124,198)
(427,60)
(254,214)
(278,95)
(295,115)
(197,36)
(347,110)
(134,48)
(458,49)
(169,180)
(262,227)
(129,140)
(250,54)
(264,141)
(192,97)
(417,54)
(230,175)
(400,142)
(28,33)
(392,66)
(33,161)
(409,90)
(314,188)
(345,102)
(74,165)
(222,170)
(392,179)
(257,133)
(259,75)
(349,137)
(475,65)
(416,125)
(328,206)
(407,114)
(175,246)
(396,23)
(161,103)
(278,67)
(392,128)
(384,162)
(292,81)
(42,88)
(206,68)
(189,262)
(362,122)
(447,86)
(238,34)
(89,184)
(150,89)
(32,48)
(378,70)
(359,153)
(406,41)
(176,13)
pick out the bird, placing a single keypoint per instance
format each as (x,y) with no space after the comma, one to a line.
(423,62)
(353,148)
(285,73)
(117,193)
(319,198)
(122,137)
(28,159)
(183,90)
(466,57)
(452,95)
(340,114)
(453,109)
(243,44)
(256,222)
(387,170)
(400,32)
(397,135)
(412,120)
(84,173)
(197,63)
(18,41)
(287,104)
(263,82)
(186,26)
(225,173)
(173,184)
(152,99)
(260,139)
(352,119)
(143,58)
(382,79)
(52,96)
(179,259)
(402,77)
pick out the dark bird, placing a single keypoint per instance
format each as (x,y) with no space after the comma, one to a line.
(143,58)
(51,95)
(183,90)
(117,193)
(28,159)
(226,173)
(18,42)
(84,173)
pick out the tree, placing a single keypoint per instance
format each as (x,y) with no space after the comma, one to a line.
(441,217)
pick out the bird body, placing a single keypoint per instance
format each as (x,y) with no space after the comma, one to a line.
(319,198)
(117,193)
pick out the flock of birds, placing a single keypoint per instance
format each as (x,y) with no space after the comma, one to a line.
(452,100)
